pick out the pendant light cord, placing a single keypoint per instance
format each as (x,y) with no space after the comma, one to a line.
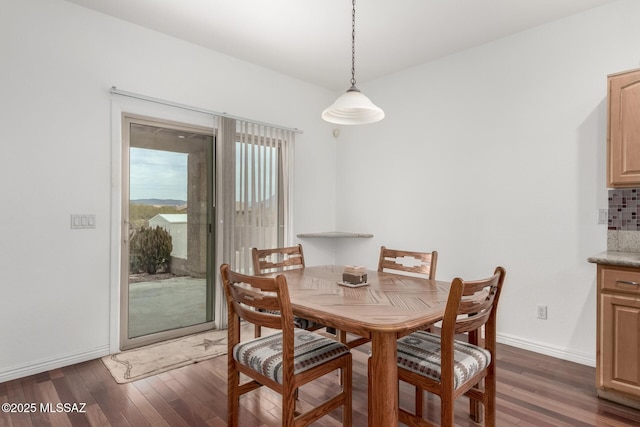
(353,44)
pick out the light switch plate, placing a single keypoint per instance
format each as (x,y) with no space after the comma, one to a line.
(80,221)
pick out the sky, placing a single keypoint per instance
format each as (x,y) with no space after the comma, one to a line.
(157,174)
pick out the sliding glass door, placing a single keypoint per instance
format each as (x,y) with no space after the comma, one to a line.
(167,249)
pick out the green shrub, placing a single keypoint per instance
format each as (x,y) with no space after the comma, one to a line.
(150,249)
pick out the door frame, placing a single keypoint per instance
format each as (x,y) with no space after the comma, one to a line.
(120,106)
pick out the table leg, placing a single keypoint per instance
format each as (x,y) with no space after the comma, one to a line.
(383,395)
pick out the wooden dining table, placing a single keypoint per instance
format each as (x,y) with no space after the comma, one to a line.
(390,306)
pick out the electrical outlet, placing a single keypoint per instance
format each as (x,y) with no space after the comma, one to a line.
(542,312)
(603,216)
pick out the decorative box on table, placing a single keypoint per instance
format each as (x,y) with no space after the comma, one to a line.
(354,274)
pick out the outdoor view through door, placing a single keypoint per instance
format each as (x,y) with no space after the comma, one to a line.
(167,252)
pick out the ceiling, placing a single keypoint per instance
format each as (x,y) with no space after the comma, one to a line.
(311,39)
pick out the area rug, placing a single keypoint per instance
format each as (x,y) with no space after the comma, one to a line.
(153,359)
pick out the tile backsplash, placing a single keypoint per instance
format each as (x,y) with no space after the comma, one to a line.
(624,220)
(624,209)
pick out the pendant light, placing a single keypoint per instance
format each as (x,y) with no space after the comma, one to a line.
(353,107)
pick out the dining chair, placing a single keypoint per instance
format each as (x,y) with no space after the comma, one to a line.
(417,263)
(283,361)
(279,259)
(450,368)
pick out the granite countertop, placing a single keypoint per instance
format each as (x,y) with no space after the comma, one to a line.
(619,258)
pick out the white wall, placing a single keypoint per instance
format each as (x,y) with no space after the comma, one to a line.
(496,156)
(58,62)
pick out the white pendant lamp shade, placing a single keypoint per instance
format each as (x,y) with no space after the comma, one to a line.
(353,108)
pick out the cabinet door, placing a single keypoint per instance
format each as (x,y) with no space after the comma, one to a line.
(620,343)
(623,145)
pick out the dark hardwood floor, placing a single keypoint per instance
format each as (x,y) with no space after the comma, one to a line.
(533,390)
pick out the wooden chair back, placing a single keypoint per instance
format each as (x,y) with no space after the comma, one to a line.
(255,298)
(277,259)
(420,263)
(472,305)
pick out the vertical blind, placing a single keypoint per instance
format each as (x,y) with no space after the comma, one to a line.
(255,189)
(254,199)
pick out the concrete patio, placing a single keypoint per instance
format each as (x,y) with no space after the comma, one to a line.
(161,305)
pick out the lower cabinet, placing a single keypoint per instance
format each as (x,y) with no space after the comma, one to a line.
(618,352)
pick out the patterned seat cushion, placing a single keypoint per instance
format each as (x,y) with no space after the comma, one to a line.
(420,352)
(264,354)
(298,322)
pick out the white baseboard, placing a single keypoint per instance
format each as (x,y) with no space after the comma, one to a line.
(33,368)
(546,349)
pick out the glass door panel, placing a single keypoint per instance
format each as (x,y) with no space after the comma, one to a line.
(167,288)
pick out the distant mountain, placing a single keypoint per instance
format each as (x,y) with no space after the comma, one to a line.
(158,202)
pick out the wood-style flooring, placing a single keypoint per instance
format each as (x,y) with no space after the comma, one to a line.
(533,390)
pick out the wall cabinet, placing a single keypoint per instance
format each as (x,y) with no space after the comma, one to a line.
(618,347)
(623,139)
